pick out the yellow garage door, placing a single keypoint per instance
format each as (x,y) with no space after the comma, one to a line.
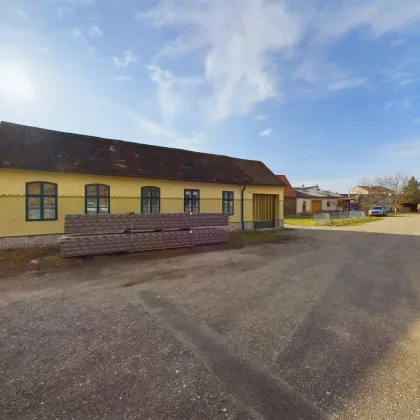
(316,206)
(264,209)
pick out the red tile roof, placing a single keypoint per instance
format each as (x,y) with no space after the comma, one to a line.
(288,190)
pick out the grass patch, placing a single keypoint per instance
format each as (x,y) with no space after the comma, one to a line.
(300,220)
(19,261)
(352,222)
(239,238)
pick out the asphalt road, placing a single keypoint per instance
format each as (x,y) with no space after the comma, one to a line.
(324,324)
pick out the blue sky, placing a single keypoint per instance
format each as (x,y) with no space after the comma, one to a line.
(326,92)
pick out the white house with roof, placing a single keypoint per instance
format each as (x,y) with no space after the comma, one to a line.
(314,200)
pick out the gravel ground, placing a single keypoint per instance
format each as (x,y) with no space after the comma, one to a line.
(324,325)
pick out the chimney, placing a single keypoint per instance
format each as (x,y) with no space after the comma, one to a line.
(303,186)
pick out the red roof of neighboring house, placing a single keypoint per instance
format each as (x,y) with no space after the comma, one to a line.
(288,189)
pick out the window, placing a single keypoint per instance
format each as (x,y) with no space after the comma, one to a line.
(303,206)
(150,200)
(41,201)
(96,199)
(192,201)
(227,202)
(328,203)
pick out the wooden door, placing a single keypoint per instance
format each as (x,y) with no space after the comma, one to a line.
(316,206)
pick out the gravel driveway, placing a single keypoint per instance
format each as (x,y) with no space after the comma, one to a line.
(324,325)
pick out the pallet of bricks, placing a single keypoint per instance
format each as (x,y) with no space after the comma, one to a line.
(94,234)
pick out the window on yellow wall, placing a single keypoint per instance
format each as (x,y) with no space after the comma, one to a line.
(97,199)
(227,202)
(41,201)
(191,201)
(150,200)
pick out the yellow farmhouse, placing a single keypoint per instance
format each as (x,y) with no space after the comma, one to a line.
(46,174)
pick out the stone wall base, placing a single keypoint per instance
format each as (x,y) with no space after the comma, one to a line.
(30,242)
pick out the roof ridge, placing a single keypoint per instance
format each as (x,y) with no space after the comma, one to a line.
(126,141)
(93,154)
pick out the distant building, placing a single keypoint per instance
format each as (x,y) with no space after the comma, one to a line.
(289,196)
(314,200)
(370,189)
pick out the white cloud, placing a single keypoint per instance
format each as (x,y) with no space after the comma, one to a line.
(239,40)
(261,117)
(65,7)
(242,45)
(194,142)
(44,49)
(127,58)
(167,78)
(95,31)
(76,32)
(121,79)
(347,84)
(20,14)
(397,42)
(267,132)
(379,16)
(171,89)
(409,149)
(401,105)
(160,133)
(403,79)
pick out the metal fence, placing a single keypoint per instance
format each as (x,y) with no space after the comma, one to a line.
(326,218)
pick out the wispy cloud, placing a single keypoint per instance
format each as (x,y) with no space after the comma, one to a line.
(194,142)
(76,32)
(121,79)
(159,133)
(416,120)
(20,14)
(409,148)
(347,84)
(236,62)
(44,49)
(171,89)
(267,132)
(261,117)
(127,58)
(401,105)
(95,31)
(167,78)
(397,42)
(241,42)
(65,7)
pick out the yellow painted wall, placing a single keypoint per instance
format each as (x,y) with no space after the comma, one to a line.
(125,197)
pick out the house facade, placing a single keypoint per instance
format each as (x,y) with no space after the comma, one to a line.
(314,200)
(289,197)
(46,174)
(369,189)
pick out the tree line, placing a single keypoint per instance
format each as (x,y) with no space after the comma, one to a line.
(402,189)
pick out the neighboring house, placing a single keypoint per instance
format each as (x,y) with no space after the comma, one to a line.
(45,174)
(314,200)
(369,195)
(289,197)
(369,189)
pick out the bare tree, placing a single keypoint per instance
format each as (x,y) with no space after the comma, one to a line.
(392,187)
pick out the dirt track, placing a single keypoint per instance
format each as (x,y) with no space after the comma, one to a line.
(324,325)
